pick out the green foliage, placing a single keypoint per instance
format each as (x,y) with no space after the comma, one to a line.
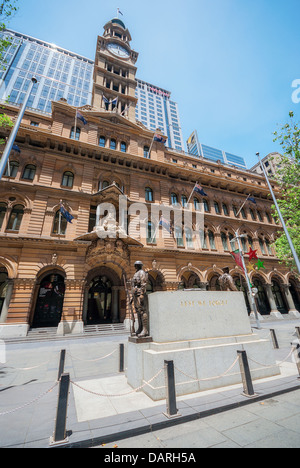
(288,177)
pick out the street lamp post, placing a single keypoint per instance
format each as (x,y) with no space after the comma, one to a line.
(12,137)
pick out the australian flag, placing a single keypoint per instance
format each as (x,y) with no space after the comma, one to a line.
(16,148)
(252,199)
(80,117)
(199,189)
(66,214)
(160,138)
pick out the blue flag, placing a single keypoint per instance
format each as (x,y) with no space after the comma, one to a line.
(160,138)
(252,199)
(80,117)
(200,190)
(66,214)
(16,148)
(164,223)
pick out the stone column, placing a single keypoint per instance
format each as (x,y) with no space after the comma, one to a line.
(291,305)
(115,304)
(9,290)
(271,298)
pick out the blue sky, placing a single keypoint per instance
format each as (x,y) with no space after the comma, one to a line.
(229,64)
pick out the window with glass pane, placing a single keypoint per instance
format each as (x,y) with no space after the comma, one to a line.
(202,235)
(102,141)
(250,242)
(178,236)
(189,238)
(225,209)
(60,224)
(148,194)
(72,134)
(252,214)
(268,247)
(151,238)
(183,201)
(68,179)
(3,209)
(113,144)
(15,218)
(211,238)
(243,213)
(262,246)
(123,147)
(235,210)
(224,241)
(244,244)
(13,169)
(217,208)
(196,204)
(174,199)
(29,172)
(232,243)
(105,184)
(206,206)
(146,152)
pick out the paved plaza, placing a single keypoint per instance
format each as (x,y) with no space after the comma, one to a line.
(104,411)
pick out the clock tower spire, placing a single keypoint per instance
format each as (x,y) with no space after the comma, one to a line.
(114,72)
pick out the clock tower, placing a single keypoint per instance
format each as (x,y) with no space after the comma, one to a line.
(114,72)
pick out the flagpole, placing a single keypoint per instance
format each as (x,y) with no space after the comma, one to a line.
(150,149)
(252,300)
(280,216)
(75,128)
(11,140)
(238,213)
(192,193)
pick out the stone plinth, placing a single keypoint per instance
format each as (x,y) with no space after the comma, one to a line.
(201,332)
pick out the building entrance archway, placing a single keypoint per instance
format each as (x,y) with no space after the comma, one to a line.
(50,300)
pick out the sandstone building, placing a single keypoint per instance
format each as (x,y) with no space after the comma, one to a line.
(57,274)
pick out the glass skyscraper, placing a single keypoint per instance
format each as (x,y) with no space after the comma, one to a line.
(60,73)
(197,149)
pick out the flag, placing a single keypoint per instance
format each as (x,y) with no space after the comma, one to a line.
(105,100)
(16,148)
(115,101)
(252,199)
(165,223)
(200,190)
(80,117)
(237,258)
(160,138)
(120,12)
(66,214)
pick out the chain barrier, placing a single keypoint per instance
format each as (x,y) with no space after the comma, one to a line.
(30,402)
(279,364)
(91,360)
(121,394)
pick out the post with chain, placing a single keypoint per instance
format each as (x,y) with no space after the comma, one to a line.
(121,358)
(172,411)
(274,339)
(298,332)
(60,433)
(246,375)
(61,367)
(297,357)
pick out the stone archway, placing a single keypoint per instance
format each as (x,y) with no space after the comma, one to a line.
(102,297)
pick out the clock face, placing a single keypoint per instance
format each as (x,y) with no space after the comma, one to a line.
(118,50)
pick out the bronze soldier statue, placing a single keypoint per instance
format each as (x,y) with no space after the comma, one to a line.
(139,299)
(226,281)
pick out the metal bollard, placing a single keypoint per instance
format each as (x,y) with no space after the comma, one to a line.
(297,358)
(246,375)
(274,339)
(60,434)
(172,410)
(121,358)
(61,366)
(298,332)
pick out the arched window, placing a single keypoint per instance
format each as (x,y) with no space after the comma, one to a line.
(178,236)
(146,152)
(174,199)
(262,246)
(189,238)
(206,205)
(244,213)
(113,144)
(105,184)
(123,147)
(3,210)
(268,247)
(15,218)
(244,244)
(102,141)
(250,242)
(252,214)
(29,172)
(235,210)
(12,169)
(148,194)
(72,134)
(225,209)
(211,238)
(196,204)
(260,216)
(60,224)
(203,241)
(224,241)
(217,208)
(68,179)
(183,201)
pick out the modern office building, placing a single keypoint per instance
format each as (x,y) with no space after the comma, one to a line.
(64,74)
(271,162)
(199,150)
(60,73)
(155,109)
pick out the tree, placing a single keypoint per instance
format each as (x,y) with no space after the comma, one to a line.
(288,178)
